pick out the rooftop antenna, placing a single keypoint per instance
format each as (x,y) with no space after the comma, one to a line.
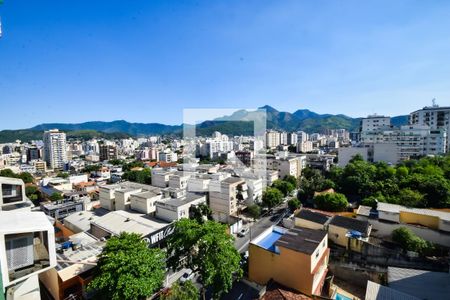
(434,102)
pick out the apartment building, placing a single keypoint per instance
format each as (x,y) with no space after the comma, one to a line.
(272,139)
(435,117)
(374,123)
(55,149)
(174,209)
(286,165)
(292,138)
(161,177)
(107,152)
(224,197)
(296,258)
(27,247)
(129,195)
(12,195)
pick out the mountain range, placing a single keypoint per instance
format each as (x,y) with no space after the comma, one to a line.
(237,123)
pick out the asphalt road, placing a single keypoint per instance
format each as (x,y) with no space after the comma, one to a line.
(256,228)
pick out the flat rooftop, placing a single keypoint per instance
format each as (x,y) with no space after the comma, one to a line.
(303,240)
(312,216)
(119,221)
(73,262)
(23,221)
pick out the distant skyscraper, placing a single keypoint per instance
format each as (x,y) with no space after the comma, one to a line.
(55,152)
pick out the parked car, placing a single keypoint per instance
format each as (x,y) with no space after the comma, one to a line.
(243,232)
(188,275)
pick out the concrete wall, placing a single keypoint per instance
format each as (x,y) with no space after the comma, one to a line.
(288,268)
(337,235)
(346,154)
(308,224)
(107,199)
(50,280)
(384,229)
(389,216)
(424,220)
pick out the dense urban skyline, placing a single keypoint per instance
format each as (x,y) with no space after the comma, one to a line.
(145,62)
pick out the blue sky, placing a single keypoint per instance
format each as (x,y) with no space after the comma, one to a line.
(144,61)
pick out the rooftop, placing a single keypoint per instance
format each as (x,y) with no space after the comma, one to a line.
(395,208)
(29,222)
(377,291)
(303,240)
(119,221)
(69,262)
(233,180)
(351,224)
(413,281)
(364,210)
(312,216)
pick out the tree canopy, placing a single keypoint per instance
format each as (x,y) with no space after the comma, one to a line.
(142,176)
(272,197)
(209,250)
(409,241)
(283,186)
(128,269)
(25,176)
(415,183)
(185,291)
(331,202)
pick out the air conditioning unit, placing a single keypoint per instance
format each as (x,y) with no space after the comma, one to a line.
(19,251)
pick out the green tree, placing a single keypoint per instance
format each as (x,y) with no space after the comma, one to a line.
(185,291)
(200,213)
(208,250)
(331,202)
(56,196)
(254,211)
(63,175)
(32,192)
(293,204)
(8,173)
(272,197)
(410,198)
(144,176)
(409,241)
(291,179)
(285,187)
(91,168)
(128,269)
(26,177)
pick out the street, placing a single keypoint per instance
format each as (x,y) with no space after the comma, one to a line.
(256,228)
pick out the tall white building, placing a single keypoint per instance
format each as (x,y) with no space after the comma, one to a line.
(272,139)
(436,117)
(292,138)
(55,152)
(283,138)
(374,123)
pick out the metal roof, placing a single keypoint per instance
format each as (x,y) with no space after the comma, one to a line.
(377,291)
(420,283)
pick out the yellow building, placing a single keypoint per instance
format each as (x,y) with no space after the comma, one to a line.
(296,258)
(349,232)
(311,219)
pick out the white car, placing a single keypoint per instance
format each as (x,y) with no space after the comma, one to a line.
(243,232)
(188,275)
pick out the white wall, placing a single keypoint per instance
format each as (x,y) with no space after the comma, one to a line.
(346,154)
(384,229)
